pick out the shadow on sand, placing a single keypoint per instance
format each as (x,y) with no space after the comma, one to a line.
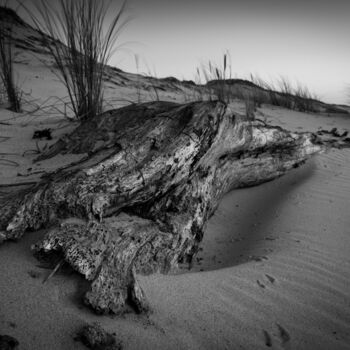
(249,222)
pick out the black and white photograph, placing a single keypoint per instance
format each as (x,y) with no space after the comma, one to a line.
(174,174)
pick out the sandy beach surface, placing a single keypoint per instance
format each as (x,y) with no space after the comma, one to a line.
(273,270)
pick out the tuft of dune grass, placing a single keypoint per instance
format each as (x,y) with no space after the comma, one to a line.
(81,36)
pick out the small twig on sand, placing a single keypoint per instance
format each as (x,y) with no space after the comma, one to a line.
(4,138)
(30,151)
(33,173)
(37,150)
(9,162)
(19,184)
(37,147)
(60,263)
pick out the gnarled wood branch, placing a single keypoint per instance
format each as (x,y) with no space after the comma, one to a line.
(140,199)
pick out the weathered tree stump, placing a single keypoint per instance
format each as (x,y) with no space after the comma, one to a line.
(139,200)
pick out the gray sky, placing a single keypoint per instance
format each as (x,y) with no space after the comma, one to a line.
(304,40)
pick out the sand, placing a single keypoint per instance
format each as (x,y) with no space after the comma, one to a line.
(273,270)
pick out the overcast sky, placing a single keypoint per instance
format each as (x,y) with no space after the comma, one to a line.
(305,40)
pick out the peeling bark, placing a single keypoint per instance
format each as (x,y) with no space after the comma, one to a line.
(139,201)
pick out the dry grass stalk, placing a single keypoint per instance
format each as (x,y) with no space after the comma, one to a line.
(81,38)
(7,58)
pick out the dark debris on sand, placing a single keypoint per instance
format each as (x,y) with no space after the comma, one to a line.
(333,138)
(44,133)
(8,343)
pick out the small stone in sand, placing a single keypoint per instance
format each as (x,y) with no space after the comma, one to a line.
(33,274)
(7,342)
(268,340)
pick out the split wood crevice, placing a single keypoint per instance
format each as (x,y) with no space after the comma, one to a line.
(139,200)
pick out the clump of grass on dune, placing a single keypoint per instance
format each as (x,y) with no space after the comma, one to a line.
(304,99)
(217,83)
(216,77)
(7,77)
(81,36)
(284,94)
(152,80)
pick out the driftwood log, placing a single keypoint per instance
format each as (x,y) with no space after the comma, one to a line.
(139,200)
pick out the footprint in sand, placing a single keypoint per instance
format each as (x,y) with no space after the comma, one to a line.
(284,335)
(257,258)
(268,339)
(270,278)
(261,285)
